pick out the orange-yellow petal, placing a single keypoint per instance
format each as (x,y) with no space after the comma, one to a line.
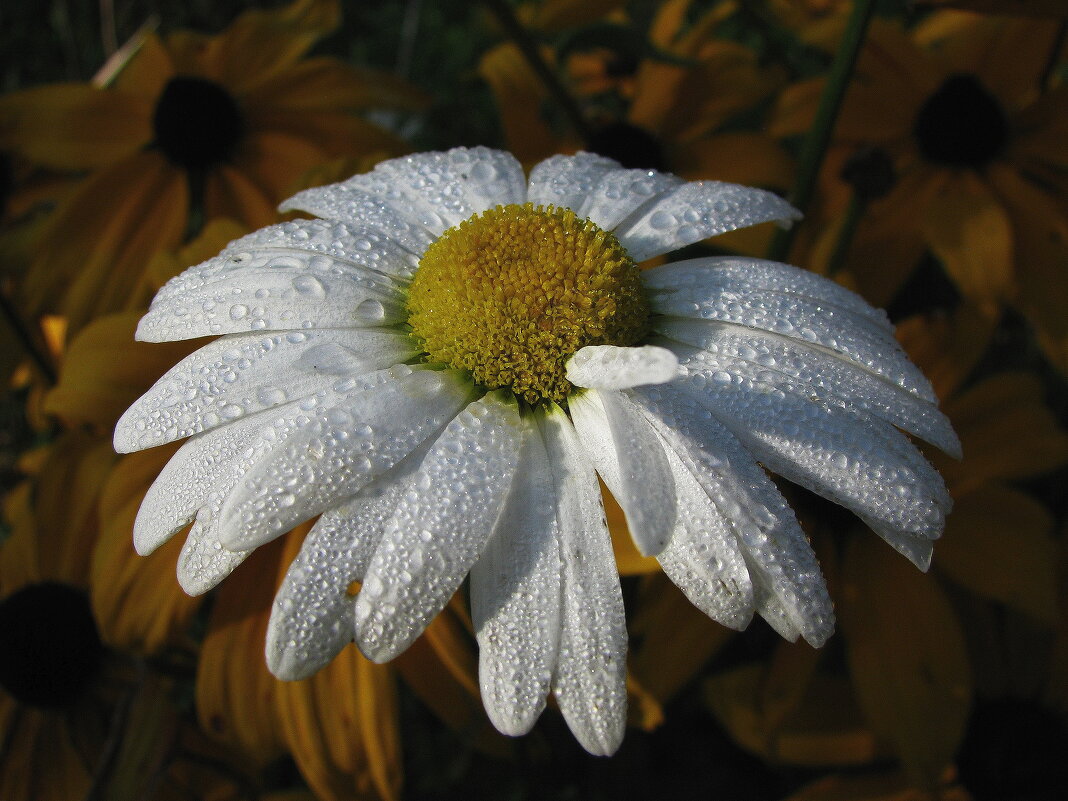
(73,126)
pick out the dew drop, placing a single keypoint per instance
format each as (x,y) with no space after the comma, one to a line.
(309,286)
(238,311)
(370,310)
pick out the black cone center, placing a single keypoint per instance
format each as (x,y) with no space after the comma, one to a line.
(49,646)
(961,124)
(628,144)
(197,123)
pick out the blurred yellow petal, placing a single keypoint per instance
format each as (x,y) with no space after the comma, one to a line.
(236,695)
(826,730)
(148,71)
(262,43)
(947,347)
(969,230)
(377,693)
(907,657)
(629,561)
(230,193)
(136,600)
(92,258)
(997,543)
(520,98)
(1006,430)
(105,370)
(74,126)
(552,16)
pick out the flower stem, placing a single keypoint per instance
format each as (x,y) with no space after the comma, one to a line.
(815,146)
(37,353)
(529,48)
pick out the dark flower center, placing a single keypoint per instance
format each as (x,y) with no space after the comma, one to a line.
(628,144)
(197,123)
(961,124)
(49,646)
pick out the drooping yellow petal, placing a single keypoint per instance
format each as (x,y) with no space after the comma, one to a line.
(148,71)
(325,84)
(230,193)
(74,126)
(946,347)
(998,544)
(907,657)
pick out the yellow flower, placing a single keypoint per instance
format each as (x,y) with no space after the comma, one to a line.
(228,123)
(979,147)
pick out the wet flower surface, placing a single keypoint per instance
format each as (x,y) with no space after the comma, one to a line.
(446,422)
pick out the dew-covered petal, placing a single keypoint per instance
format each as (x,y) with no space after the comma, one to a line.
(199,467)
(343,242)
(703,557)
(204,562)
(622,193)
(590,679)
(264,290)
(630,458)
(455,184)
(709,278)
(863,464)
(312,458)
(567,181)
(780,560)
(821,372)
(515,597)
(346,202)
(694,211)
(312,614)
(440,526)
(862,339)
(241,374)
(614,367)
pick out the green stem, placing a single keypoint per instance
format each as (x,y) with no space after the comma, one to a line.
(529,48)
(846,233)
(23,333)
(815,146)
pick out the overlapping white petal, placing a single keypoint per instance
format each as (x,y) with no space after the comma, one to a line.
(306,405)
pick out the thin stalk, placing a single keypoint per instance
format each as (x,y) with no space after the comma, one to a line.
(815,146)
(853,215)
(529,48)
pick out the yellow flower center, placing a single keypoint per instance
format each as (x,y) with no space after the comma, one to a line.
(512,293)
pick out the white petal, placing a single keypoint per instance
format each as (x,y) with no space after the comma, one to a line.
(821,372)
(863,464)
(265,290)
(348,203)
(439,527)
(312,615)
(630,458)
(567,181)
(342,242)
(695,211)
(703,557)
(709,278)
(613,367)
(241,374)
(621,193)
(860,339)
(777,553)
(310,459)
(200,466)
(204,562)
(590,679)
(515,597)
(447,188)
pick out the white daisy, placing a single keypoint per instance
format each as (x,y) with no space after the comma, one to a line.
(442,365)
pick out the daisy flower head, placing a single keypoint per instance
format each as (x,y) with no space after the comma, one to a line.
(445,359)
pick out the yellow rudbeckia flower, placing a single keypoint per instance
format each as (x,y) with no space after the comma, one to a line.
(226,124)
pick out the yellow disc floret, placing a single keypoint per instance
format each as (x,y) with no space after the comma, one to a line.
(512,293)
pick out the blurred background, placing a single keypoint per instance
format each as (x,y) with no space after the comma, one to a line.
(927,144)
